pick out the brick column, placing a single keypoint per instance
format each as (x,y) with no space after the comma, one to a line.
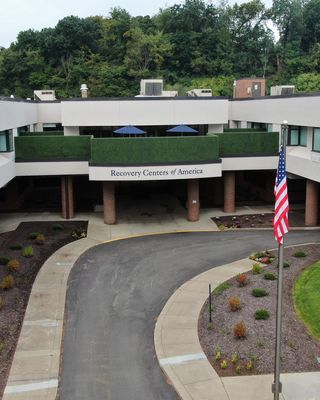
(229,180)
(67,197)
(193,204)
(312,203)
(109,203)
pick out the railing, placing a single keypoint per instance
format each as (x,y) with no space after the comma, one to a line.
(154,150)
(52,148)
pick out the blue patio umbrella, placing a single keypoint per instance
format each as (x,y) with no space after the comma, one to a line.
(182,129)
(129,130)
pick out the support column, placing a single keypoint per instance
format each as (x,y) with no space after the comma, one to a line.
(67,197)
(229,181)
(312,203)
(193,200)
(109,203)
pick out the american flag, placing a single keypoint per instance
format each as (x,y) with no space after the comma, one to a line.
(280,221)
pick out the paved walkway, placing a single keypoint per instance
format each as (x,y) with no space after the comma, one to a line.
(35,369)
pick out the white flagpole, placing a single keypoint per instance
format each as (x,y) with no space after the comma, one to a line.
(277,385)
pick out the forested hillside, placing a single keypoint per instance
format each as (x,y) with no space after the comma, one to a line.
(197,44)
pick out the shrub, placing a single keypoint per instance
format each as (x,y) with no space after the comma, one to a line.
(256,269)
(234,303)
(224,364)
(40,239)
(299,254)
(210,326)
(221,288)
(57,227)
(249,365)
(16,246)
(27,252)
(4,260)
(286,265)
(242,279)
(258,292)
(261,314)
(34,235)
(269,276)
(218,355)
(234,358)
(240,330)
(78,234)
(2,303)
(7,282)
(238,369)
(13,264)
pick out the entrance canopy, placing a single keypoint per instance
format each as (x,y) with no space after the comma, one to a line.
(129,130)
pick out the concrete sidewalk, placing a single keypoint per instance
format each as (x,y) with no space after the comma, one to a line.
(35,370)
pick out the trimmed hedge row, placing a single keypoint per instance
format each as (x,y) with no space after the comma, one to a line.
(154,150)
(50,148)
(232,144)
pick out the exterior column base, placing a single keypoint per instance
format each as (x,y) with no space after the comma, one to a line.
(193,204)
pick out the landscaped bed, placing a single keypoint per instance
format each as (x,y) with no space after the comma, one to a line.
(249,347)
(263,220)
(22,253)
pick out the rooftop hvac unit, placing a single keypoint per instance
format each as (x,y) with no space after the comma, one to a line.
(200,93)
(282,90)
(44,95)
(151,87)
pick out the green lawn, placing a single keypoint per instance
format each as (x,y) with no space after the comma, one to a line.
(306,294)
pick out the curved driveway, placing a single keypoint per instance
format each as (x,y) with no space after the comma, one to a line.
(115,293)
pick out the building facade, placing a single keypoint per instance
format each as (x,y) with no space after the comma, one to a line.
(234,150)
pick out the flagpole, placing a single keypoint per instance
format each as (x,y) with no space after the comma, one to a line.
(277,385)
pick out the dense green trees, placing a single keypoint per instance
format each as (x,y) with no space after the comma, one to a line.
(195,44)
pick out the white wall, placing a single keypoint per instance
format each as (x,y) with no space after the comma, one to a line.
(49,112)
(249,163)
(52,168)
(144,112)
(301,111)
(17,113)
(7,168)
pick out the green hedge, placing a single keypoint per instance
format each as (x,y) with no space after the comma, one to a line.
(51,148)
(47,133)
(248,144)
(154,150)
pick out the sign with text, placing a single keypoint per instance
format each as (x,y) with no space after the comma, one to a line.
(154,173)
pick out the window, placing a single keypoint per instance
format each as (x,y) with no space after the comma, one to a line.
(316,139)
(6,144)
(297,136)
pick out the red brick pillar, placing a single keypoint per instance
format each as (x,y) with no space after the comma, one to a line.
(109,203)
(229,180)
(312,203)
(67,197)
(193,200)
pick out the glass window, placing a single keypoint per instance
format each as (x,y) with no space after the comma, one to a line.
(293,139)
(303,136)
(316,139)
(6,141)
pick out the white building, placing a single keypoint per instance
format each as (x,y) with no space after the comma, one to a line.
(243,156)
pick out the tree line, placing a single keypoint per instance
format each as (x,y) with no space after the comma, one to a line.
(195,44)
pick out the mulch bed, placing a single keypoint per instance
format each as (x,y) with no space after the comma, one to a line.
(16,299)
(296,219)
(299,349)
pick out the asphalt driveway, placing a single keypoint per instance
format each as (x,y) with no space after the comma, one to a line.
(115,293)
